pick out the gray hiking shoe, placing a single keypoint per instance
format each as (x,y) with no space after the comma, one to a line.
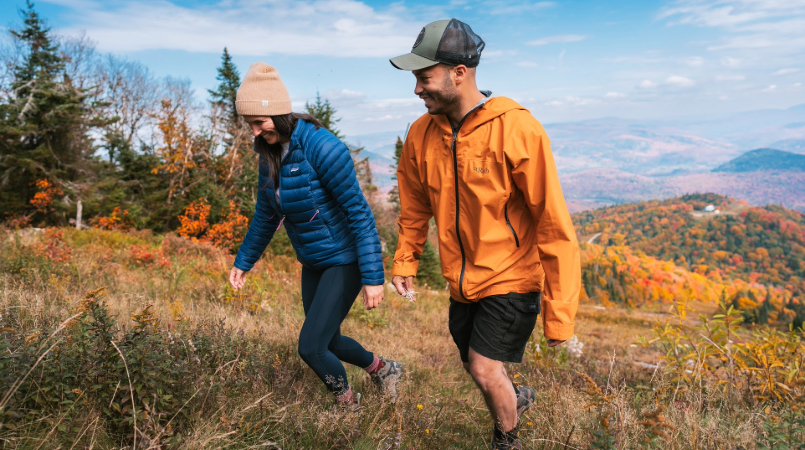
(508,440)
(525,398)
(388,377)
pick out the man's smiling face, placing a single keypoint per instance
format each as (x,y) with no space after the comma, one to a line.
(435,86)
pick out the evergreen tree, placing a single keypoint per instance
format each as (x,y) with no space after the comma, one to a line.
(226,93)
(325,112)
(43,124)
(430,269)
(394,193)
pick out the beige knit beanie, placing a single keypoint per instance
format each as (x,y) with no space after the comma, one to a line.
(262,93)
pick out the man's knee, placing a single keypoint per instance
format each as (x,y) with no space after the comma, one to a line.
(485,372)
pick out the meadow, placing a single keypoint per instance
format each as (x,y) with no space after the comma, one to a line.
(114,339)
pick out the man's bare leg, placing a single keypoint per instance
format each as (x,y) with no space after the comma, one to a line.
(494,383)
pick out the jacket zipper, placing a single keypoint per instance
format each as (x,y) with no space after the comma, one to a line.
(456,129)
(458,213)
(506,213)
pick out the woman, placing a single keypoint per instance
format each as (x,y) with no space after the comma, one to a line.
(307,181)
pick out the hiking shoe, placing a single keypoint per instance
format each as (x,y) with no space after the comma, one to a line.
(388,377)
(348,401)
(507,441)
(525,398)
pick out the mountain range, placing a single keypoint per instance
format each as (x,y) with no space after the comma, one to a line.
(612,160)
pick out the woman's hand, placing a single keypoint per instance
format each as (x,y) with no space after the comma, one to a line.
(237,278)
(372,296)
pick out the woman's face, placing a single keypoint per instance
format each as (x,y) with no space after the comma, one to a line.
(264,126)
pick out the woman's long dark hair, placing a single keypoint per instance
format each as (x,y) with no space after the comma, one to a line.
(271,154)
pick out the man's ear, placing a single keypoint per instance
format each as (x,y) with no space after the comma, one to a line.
(460,73)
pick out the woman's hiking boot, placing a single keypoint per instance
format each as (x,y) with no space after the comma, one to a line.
(387,377)
(525,398)
(348,401)
(508,440)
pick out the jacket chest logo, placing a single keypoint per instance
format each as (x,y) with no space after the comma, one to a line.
(481,170)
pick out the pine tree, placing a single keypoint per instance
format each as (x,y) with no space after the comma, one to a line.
(325,112)
(394,193)
(44,123)
(430,269)
(226,93)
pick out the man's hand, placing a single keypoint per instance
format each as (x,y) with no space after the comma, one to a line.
(237,278)
(372,296)
(553,343)
(403,284)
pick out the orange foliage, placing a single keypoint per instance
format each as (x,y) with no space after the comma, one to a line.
(142,256)
(54,247)
(118,220)
(194,220)
(231,231)
(43,199)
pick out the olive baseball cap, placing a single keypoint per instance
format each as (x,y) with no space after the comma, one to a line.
(445,41)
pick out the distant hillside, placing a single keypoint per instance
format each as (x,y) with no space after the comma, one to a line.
(765,245)
(764,159)
(604,187)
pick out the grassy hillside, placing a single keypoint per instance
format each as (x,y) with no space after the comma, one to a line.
(108,338)
(764,159)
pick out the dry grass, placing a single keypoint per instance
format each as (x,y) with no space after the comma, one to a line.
(285,406)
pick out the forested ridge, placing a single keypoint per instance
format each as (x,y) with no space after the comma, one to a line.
(754,253)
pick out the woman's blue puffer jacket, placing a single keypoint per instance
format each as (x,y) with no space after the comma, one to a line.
(322,206)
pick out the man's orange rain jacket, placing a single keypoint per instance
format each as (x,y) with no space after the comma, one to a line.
(503,224)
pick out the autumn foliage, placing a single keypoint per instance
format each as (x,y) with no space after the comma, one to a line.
(118,220)
(230,232)
(45,193)
(226,234)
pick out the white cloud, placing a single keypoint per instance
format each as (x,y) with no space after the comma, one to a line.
(730,77)
(695,61)
(679,81)
(775,25)
(344,96)
(340,28)
(559,39)
(786,71)
(527,64)
(797,84)
(724,97)
(615,95)
(647,84)
(771,88)
(730,62)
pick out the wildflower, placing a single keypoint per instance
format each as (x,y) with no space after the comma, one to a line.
(410,296)
(574,347)
(529,423)
(427,431)
(419,407)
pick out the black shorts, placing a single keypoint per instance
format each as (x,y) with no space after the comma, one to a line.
(497,327)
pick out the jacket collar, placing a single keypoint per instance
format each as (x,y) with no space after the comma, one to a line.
(488,110)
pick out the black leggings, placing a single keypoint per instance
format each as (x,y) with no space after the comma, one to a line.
(327,297)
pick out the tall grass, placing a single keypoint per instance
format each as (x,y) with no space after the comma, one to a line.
(108,338)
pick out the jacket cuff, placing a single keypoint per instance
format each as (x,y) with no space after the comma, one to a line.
(558,331)
(241,264)
(404,268)
(373,281)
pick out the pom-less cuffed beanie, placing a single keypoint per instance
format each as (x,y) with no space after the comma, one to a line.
(262,93)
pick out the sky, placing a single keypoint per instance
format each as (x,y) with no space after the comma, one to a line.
(563,60)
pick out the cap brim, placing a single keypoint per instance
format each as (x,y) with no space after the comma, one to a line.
(412,61)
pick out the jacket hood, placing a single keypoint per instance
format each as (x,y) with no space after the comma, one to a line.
(490,110)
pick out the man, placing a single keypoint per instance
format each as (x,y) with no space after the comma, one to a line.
(483,168)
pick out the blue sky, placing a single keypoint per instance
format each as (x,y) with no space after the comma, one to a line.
(564,60)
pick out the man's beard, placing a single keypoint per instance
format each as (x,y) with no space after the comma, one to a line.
(445,100)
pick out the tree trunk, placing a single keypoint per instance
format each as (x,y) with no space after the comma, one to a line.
(79,210)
